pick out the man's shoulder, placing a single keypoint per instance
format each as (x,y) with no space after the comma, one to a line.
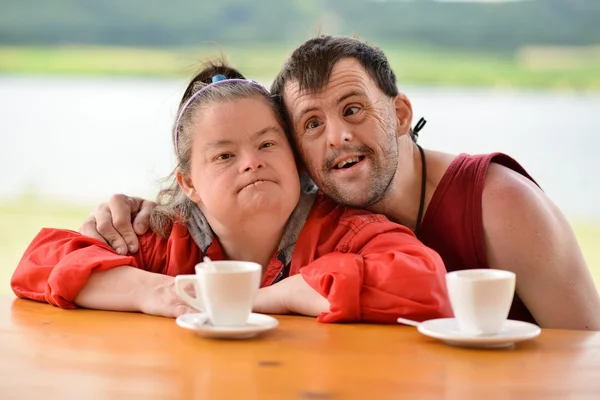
(482,175)
(505,186)
(482,196)
(513,203)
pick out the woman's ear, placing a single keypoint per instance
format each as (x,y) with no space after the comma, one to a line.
(186,184)
(404,114)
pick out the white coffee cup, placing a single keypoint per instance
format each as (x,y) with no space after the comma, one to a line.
(225,293)
(481,299)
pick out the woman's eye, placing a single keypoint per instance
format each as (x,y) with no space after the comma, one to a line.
(222,157)
(268,144)
(351,111)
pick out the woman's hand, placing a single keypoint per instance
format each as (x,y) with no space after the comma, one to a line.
(161,300)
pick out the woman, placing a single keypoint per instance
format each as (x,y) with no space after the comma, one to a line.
(237,194)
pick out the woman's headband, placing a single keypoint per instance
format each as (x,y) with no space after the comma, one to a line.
(216,80)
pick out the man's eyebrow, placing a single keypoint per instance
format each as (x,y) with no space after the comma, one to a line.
(348,95)
(306,110)
(255,135)
(298,116)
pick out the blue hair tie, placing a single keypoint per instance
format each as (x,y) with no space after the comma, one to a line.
(218,78)
(215,81)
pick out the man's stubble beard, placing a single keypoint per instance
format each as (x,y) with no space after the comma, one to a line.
(382,177)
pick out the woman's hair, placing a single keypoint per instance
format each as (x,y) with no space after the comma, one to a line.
(210,86)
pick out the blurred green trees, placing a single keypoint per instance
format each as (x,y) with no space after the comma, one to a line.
(474,26)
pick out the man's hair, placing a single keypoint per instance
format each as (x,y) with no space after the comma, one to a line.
(310,65)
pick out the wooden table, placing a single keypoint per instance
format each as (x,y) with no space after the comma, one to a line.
(48,353)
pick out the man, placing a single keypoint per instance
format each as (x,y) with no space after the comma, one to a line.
(352,129)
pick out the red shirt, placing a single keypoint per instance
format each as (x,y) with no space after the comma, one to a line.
(370,269)
(453,225)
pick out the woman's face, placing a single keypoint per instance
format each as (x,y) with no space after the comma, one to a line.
(242,165)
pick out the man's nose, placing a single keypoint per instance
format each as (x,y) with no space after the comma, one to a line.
(338,133)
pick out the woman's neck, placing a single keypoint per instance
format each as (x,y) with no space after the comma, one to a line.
(255,242)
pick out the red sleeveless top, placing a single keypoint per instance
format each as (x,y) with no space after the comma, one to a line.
(453,225)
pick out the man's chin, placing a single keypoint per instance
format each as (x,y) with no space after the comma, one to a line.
(349,198)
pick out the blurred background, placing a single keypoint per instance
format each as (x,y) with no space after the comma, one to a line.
(89,88)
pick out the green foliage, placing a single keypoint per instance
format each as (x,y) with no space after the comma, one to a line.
(481,26)
(147,22)
(413,65)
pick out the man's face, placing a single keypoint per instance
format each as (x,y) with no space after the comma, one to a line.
(346,134)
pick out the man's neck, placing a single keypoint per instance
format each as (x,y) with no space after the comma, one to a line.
(401,202)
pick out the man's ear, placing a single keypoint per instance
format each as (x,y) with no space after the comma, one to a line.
(404,114)
(185,183)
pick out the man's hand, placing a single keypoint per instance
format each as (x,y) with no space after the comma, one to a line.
(119,222)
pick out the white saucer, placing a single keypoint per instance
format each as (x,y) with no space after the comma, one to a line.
(446,329)
(198,323)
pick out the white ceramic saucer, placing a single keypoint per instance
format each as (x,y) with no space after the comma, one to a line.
(198,323)
(446,329)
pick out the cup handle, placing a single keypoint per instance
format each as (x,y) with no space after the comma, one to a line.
(180,282)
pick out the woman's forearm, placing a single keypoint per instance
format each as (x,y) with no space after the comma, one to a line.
(131,289)
(291,295)
(117,289)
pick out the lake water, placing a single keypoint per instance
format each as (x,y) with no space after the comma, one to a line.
(82,139)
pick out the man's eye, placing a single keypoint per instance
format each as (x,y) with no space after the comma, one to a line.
(351,111)
(312,124)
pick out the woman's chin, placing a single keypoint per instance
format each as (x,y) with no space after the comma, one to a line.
(261,206)
(260,203)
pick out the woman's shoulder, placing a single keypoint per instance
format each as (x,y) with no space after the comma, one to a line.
(333,222)
(174,254)
(326,208)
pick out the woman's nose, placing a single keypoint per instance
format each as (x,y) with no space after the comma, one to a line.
(252,162)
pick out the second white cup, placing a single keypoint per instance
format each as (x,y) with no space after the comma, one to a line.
(226,293)
(481,299)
